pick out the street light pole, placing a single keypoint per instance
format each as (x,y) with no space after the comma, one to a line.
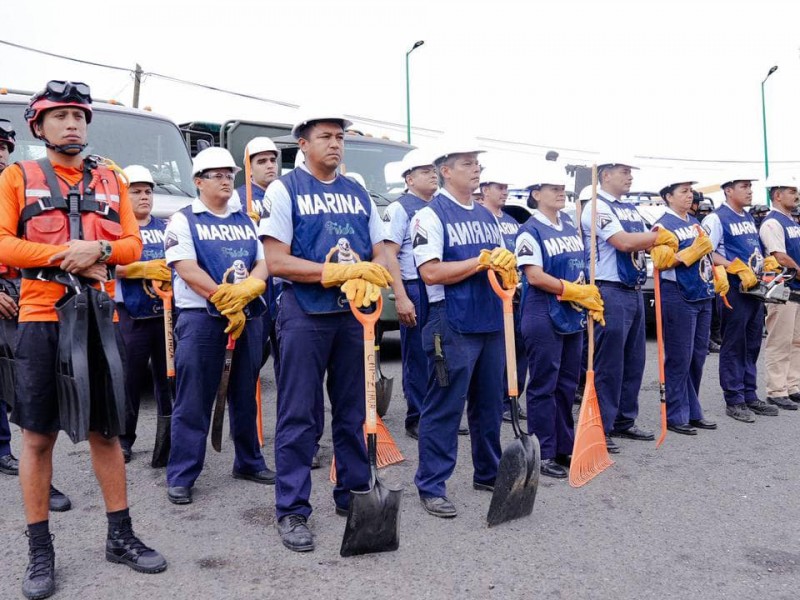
(764,124)
(408,91)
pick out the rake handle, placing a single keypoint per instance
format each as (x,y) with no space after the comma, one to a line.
(592,265)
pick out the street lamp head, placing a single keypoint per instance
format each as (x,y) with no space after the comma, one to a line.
(420,42)
(771,71)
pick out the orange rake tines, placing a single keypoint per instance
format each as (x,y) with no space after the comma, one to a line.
(388,453)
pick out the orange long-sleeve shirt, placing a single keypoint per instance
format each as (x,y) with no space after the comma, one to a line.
(38,298)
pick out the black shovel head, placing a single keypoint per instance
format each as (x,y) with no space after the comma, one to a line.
(383,394)
(517,481)
(162,445)
(73,386)
(373,523)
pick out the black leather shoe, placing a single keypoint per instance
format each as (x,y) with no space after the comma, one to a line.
(565,460)
(439,507)
(315,461)
(124,548)
(266,477)
(742,413)
(634,433)
(463,431)
(295,534)
(702,423)
(551,468)
(762,408)
(611,446)
(59,502)
(342,512)
(179,495)
(795,397)
(412,431)
(483,487)
(9,465)
(40,580)
(782,402)
(683,429)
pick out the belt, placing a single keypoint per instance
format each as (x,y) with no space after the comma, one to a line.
(437,303)
(618,285)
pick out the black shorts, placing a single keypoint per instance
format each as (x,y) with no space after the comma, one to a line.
(36,402)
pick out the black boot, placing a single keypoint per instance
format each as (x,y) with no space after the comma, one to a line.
(122,546)
(40,581)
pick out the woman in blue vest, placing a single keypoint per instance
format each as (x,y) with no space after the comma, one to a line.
(219,278)
(687,292)
(141,311)
(550,251)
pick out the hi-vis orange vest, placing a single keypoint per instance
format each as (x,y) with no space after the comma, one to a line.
(94,203)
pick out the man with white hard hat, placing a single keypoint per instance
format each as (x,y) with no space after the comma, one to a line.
(419,175)
(454,240)
(620,272)
(780,235)
(264,169)
(737,247)
(321,237)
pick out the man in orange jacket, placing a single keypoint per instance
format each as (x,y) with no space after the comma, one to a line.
(64,219)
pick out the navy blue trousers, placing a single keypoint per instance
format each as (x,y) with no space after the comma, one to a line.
(415,363)
(555,366)
(475,365)
(199,359)
(741,344)
(144,342)
(619,356)
(310,346)
(687,326)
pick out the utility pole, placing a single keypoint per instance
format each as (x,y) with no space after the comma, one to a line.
(137,82)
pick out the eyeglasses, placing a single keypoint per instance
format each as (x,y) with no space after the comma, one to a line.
(219,177)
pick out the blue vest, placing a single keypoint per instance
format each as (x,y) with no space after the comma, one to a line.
(258,198)
(509,227)
(791,236)
(472,306)
(740,237)
(695,282)
(227,249)
(631,266)
(331,224)
(411,205)
(562,257)
(140,299)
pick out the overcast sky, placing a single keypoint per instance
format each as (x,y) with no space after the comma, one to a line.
(670,78)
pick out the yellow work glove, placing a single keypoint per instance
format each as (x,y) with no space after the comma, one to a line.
(721,284)
(509,278)
(663,257)
(699,248)
(771,264)
(582,293)
(156,270)
(232,297)
(337,274)
(598,317)
(666,237)
(496,259)
(254,215)
(236,323)
(361,292)
(745,273)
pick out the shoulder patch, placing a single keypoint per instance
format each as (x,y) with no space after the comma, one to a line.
(386,218)
(170,240)
(603,221)
(525,249)
(420,236)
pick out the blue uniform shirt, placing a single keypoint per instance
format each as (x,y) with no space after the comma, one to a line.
(140,299)
(257,196)
(695,282)
(734,235)
(509,227)
(791,238)
(398,216)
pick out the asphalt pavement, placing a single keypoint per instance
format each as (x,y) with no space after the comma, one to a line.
(711,516)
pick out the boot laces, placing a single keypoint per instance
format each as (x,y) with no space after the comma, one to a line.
(40,554)
(124,532)
(295,520)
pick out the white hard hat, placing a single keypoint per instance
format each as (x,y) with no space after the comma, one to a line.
(548,174)
(494,175)
(138,174)
(586,193)
(312,115)
(213,158)
(449,146)
(414,159)
(616,160)
(258,145)
(778,180)
(357,177)
(736,176)
(675,179)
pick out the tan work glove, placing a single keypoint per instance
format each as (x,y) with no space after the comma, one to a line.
(585,294)
(771,264)
(598,317)
(361,292)
(236,323)
(155,269)
(721,284)
(699,248)
(509,278)
(745,273)
(497,259)
(663,257)
(666,237)
(336,274)
(254,215)
(232,297)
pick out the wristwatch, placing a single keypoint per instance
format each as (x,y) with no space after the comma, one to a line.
(105,251)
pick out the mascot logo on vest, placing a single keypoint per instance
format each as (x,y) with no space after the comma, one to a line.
(342,253)
(639,261)
(581,279)
(756,262)
(706,268)
(236,273)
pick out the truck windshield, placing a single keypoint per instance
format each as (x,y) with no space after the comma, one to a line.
(369,159)
(125,138)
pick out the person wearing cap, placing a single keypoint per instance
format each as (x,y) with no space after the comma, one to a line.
(687,292)
(43,244)
(264,169)
(697,197)
(419,175)
(704,209)
(141,310)
(620,272)
(323,233)
(455,240)
(219,279)
(494,194)
(550,251)
(780,235)
(737,247)
(759,212)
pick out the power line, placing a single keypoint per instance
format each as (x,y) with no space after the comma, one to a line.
(77,60)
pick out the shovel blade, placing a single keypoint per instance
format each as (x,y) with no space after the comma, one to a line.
(163,439)
(373,523)
(383,394)
(517,481)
